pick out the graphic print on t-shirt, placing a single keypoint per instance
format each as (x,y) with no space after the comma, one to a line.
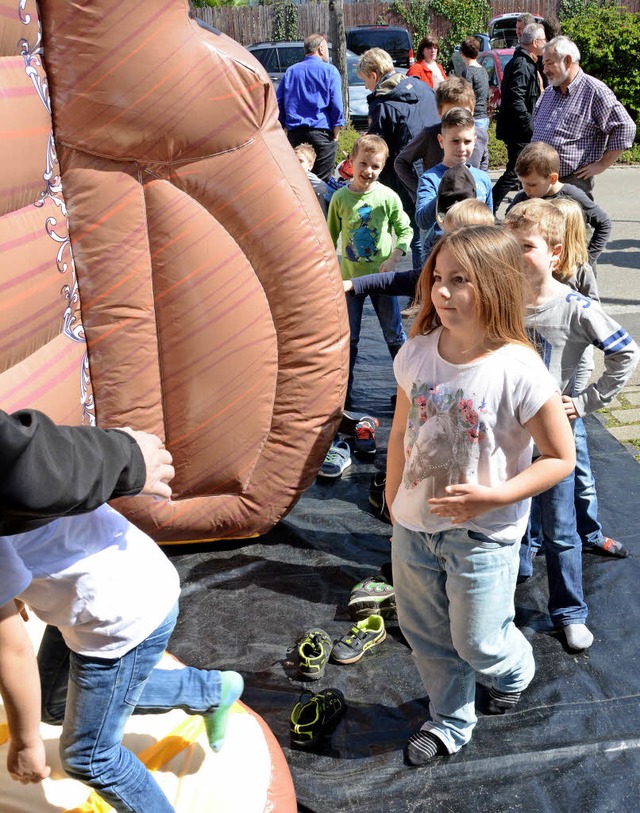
(444,433)
(363,241)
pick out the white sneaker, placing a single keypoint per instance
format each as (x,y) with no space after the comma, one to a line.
(578,636)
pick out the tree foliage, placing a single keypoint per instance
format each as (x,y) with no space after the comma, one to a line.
(285,21)
(609,41)
(465,17)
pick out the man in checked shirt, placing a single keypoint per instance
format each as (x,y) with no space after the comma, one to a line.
(580,117)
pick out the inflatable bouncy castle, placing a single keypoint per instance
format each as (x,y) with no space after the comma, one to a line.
(165,263)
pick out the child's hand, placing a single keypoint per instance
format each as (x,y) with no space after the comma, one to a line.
(388,265)
(465,500)
(569,408)
(27,763)
(347,284)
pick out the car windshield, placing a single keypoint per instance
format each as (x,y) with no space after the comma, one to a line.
(360,41)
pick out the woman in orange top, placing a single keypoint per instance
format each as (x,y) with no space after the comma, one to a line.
(426,67)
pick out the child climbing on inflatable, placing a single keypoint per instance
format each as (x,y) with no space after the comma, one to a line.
(472,393)
(109,596)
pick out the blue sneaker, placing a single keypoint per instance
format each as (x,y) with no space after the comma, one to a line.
(337,460)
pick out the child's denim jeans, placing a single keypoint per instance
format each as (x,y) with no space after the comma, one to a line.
(454,593)
(100,695)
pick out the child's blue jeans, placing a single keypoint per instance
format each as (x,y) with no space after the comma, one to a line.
(554,510)
(388,312)
(101,694)
(455,599)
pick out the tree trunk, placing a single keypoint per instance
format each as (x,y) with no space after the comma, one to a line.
(338,41)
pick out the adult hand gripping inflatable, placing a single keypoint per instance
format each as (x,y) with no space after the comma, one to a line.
(173,272)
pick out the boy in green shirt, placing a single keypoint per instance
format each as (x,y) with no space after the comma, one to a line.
(368,215)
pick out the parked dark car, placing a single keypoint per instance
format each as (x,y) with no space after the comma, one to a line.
(493,62)
(276,57)
(395,40)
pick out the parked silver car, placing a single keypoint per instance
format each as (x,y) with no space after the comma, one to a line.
(276,57)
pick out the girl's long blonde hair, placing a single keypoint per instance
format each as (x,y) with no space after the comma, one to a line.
(492,259)
(574,245)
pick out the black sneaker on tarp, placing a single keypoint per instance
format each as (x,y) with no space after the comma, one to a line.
(315,715)
(314,649)
(362,637)
(372,596)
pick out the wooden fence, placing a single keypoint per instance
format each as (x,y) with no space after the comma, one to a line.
(250,24)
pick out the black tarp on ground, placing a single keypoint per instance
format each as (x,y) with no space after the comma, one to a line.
(573,744)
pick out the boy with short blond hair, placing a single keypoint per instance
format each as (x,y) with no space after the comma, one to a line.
(457,139)
(562,324)
(368,216)
(306,155)
(538,169)
(424,150)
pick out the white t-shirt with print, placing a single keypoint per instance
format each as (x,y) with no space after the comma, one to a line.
(103,582)
(465,425)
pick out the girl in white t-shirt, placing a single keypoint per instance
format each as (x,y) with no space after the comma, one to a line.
(472,393)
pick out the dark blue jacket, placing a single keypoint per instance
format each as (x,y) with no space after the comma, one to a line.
(399,108)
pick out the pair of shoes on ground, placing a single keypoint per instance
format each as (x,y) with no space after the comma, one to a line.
(315,647)
(372,596)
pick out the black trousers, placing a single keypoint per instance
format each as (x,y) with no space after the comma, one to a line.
(322,142)
(508,180)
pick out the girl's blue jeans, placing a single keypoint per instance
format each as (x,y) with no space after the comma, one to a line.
(454,593)
(96,696)
(559,518)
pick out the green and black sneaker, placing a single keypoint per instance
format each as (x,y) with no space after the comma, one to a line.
(315,716)
(372,596)
(361,637)
(314,649)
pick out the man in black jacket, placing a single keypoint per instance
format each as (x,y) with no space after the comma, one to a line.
(50,471)
(520,90)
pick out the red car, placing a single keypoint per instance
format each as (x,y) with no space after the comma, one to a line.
(493,62)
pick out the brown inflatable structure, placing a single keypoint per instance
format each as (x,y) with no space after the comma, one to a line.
(165,263)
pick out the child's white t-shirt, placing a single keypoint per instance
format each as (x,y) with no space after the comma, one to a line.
(465,425)
(103,582)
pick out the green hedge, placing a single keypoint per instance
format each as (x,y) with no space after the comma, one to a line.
(609,42)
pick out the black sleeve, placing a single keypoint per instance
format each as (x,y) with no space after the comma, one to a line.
(392,283)
(50,471)
(596,217)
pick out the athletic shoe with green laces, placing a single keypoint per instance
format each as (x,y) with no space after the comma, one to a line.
(314,649)
(372,596)
(362,636)
(337,460)
(313,717)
